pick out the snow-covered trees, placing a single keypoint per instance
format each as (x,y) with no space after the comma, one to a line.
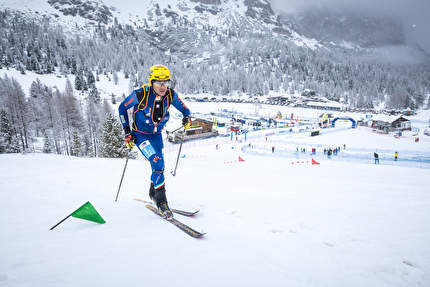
(50,115)
(250,63)
(226,64)
(47,145)
(9,142)
(75,143)
(111,140)
(13,101)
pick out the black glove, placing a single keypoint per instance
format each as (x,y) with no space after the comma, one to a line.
(186,122)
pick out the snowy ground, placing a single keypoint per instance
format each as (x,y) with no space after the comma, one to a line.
(269,222)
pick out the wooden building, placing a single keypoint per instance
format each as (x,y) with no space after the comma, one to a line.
(390,123)
(201,129)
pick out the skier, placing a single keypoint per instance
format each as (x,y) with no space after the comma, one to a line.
(396,155)
(150,112)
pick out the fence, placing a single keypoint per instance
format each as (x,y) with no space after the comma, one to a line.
(386,157)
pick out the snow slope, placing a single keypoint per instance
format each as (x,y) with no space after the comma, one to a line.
(268,222)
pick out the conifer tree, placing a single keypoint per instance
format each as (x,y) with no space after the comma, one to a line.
(111,139)
(76,144)
(79,81)
(94,94)
(113,99)
(47,146)
(90,78)
(9,141)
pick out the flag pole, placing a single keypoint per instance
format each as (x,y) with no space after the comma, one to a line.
(86,212)
(60,222)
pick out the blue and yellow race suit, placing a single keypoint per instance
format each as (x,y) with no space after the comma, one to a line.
(149,119)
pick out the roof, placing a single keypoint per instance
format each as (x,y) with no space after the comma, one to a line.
(386,118)
(325,104)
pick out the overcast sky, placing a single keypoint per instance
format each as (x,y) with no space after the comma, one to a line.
(414,14)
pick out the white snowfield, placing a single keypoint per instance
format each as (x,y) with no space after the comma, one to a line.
(268,222)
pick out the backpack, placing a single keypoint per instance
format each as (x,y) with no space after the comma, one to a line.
(143,94)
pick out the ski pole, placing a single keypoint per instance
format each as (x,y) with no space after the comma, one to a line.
(122,177)
(179,154)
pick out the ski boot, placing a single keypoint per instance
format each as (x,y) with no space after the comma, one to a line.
(152,193)
(158,196)
(165,211)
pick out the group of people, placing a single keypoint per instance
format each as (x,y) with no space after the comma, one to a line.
(329,152)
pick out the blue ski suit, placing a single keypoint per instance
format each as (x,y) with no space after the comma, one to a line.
(149,119)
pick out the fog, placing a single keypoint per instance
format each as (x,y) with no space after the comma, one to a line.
(414,14)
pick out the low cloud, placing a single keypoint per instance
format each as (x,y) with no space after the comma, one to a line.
(412,13)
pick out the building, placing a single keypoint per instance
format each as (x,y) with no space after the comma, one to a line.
(331,105)
(201,129)
(390,123)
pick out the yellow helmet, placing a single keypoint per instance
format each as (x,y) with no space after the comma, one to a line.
(159,73)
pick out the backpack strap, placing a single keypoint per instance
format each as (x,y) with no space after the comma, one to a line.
(170,96)
(142,97)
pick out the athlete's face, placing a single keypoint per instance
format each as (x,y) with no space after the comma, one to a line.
(160,87)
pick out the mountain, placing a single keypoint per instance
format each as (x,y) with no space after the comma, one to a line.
(228,47)
(161,19)
(339,26)
(165,21)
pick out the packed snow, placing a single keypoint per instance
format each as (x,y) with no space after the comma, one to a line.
(269,220)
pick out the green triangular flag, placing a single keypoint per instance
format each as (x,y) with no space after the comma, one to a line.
(88,212)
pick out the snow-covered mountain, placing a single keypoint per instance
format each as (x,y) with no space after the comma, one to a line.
(189,28)
(166,21)
(208,41)
(193,26)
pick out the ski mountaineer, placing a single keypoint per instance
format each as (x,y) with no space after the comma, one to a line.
(150,111)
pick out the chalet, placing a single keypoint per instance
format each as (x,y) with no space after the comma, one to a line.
(390,123)
(201,129)
(401,124)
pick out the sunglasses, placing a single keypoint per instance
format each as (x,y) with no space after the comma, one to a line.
(162,83)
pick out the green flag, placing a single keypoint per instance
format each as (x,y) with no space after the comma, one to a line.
(88,212)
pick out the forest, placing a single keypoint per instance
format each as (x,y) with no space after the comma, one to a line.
(247,65)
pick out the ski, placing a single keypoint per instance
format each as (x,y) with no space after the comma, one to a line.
(177,211)
(188,230)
